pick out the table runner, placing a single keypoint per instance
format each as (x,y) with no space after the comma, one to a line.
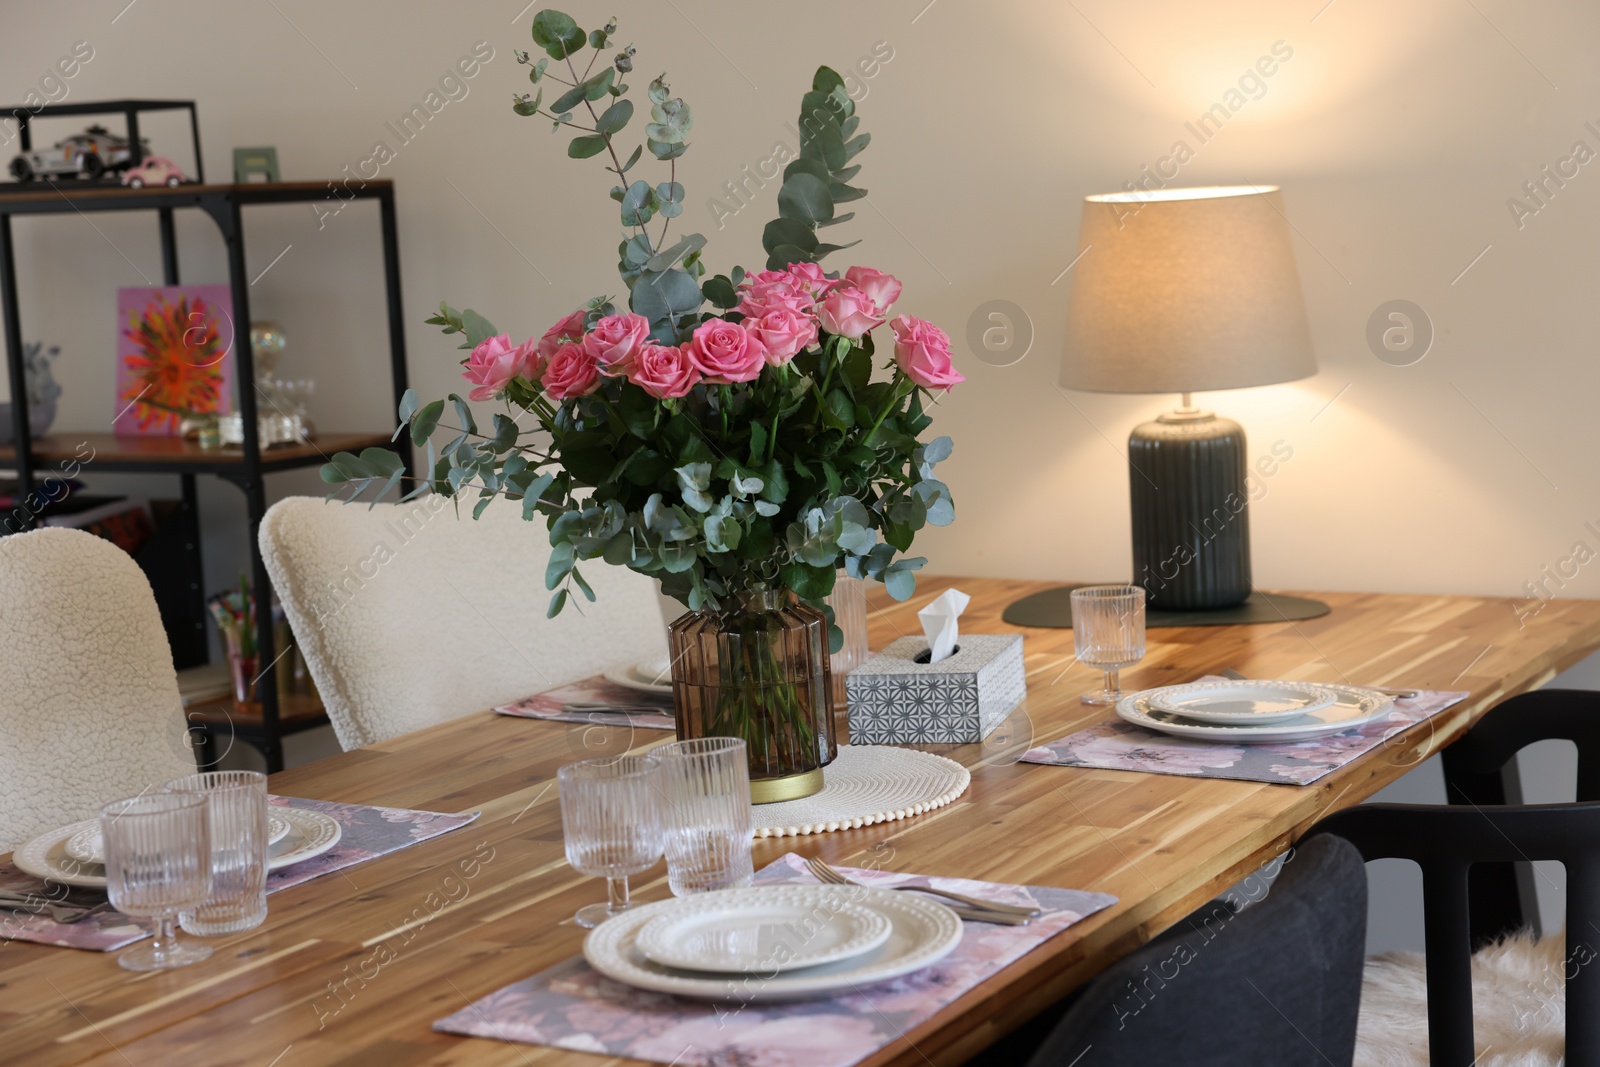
(366,833)
(1122,746)
(570,1006)
(596,690)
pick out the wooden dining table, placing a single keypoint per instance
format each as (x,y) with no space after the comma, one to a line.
(469,912)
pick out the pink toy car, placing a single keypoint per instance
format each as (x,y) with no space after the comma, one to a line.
(155,170)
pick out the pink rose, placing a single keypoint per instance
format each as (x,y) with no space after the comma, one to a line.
(496,361)
(614,340)
(571,372)
(882,289)
(569,328)
(772,290)
(849,312)
(783,333)
(726,352)
(809,277)
(923,352)
(664,371)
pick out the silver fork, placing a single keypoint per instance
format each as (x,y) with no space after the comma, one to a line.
(23,902)
(1403,694)
(828,874)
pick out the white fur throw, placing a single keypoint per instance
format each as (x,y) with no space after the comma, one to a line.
(1518,1006)
(409,616)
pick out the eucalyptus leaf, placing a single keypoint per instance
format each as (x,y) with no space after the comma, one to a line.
(615,117)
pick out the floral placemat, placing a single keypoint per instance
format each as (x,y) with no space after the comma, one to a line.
(596,690)
(366,833)
(1122,746)
(570,1006)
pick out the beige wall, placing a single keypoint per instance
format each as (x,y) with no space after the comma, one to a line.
(1397,131)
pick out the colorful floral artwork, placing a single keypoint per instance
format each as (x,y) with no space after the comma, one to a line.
(174,356)
(1122,746)
(571,1006)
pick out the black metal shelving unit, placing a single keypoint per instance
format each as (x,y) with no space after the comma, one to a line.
(244,467)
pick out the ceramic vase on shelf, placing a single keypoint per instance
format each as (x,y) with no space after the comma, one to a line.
(759,672)
(849,603)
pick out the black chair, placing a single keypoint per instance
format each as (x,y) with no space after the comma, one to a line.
(1466,851)
(1278,983)
(1474,773)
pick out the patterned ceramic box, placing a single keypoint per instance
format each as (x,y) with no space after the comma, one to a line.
(896,700)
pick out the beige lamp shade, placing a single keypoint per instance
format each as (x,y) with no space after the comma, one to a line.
(1185,290)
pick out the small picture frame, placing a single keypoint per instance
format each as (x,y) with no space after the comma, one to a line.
(256,164)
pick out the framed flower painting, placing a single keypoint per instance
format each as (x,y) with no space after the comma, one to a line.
(174,356)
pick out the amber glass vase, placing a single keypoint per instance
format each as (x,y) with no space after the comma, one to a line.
(759,672)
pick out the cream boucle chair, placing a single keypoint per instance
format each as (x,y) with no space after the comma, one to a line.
(409,615)
(89,707)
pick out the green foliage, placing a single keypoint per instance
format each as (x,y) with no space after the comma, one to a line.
(776,483)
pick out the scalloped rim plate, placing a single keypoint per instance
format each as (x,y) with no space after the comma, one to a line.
(763,931)
(311,833)
(922,932)
(87,847)
(1254,703)
(1355,707)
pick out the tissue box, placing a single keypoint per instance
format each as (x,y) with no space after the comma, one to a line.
(894,700)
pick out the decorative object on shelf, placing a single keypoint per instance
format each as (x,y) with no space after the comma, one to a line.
(740,452)
(92,154)
(43,392)
(253,164)
(1188,290)
(235,615)
(849,604)
(759,671)
(155,170)
(174,346)
(281,417)
(898,698)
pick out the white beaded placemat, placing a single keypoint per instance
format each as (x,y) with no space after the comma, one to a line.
(867,784)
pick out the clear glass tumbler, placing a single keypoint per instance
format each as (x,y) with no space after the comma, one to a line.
(709,821)
(158,863)
(1108,632)
(236,805)
(611,825)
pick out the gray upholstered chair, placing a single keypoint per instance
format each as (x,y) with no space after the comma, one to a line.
(89,706)
(409,615)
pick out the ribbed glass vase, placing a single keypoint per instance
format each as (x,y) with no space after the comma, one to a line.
(759,672)
(849,603)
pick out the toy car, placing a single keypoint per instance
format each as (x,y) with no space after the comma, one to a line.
(92,153)
(155,170)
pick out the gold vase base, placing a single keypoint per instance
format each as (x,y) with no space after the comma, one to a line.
(788,787)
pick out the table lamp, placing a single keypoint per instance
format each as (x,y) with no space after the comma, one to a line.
(1184,291)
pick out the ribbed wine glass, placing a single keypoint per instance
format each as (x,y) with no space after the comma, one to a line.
(158,863)
(611,825)
(1108,632)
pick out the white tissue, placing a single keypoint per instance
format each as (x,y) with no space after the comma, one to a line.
(939,622)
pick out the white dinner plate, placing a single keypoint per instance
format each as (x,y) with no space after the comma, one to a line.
(311,833)
(763,930)
(1248,703)
(87,846)
(1354,707)
(646,676)
(921,932)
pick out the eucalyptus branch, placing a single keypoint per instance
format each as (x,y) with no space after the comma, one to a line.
(610,149)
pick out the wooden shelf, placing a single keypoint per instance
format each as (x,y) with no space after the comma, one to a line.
(296,712)
(78,193)
(104,451)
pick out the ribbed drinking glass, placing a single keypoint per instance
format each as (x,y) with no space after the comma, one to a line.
(709,821)
(158,863)
(611,825)
(1108,632)
(236,804)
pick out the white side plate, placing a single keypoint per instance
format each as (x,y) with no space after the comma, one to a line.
(1354,707)
(763,930)
(87,846)
(921,933)
(1240,703)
